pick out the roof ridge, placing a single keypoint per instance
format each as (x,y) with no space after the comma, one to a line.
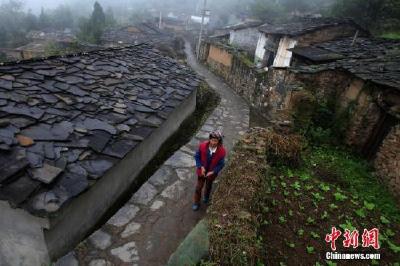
(52,57)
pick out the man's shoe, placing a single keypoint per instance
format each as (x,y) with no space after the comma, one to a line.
(205,200)
(195,207)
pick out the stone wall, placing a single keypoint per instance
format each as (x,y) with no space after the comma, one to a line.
(365,126)
(364,118)
(387,162)
(237,70)
(245,39)
(273,93)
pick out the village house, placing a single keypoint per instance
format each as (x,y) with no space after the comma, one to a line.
(41,40)
(359,78)
(174,24)
(275,40)
(75,132)
(244,35)
(9,54)
(132,34)
(259,87)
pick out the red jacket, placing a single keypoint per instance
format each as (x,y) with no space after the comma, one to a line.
(203,150)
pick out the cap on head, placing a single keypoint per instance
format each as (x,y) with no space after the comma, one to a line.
(216,135)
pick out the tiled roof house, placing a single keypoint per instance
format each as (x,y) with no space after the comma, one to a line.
(75,131)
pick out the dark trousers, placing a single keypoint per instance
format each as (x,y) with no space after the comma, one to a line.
(199,187)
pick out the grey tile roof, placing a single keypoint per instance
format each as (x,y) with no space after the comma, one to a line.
(244,25)
(376,60)
(142,32)
(304,25)
(65,121)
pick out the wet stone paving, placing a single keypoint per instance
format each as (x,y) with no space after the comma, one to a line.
(152,224)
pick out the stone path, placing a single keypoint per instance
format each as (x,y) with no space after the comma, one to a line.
(148,229)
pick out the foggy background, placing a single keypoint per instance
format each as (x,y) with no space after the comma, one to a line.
(87,23)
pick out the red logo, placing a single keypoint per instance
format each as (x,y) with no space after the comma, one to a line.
(351,239)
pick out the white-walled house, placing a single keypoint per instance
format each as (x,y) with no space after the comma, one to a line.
(244,35)
(275,40)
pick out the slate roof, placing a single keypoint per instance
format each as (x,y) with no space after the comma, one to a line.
(316,54)
(83,114)
(362,48)
(143,32)
(376,60)
(244,25)
(304,25)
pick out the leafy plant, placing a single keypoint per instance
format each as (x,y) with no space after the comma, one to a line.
(333,206)
(314,235)
(360,212)
(296,185)
(304,176)
(389,232)
(325,215)
(318,196)
(282,219)
(369,206)
(324,187)
(384,220)
(339,196)
(300,232)
(310,249)
(310,220)
(309,187)
(393,247)
(290,244)
(348,225)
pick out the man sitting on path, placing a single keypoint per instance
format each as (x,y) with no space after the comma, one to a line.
(210,159)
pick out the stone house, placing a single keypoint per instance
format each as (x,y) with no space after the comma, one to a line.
(244,35)
(275,40)
(10,54)
(132,34)
(361,79)
(174,24)
(75,132)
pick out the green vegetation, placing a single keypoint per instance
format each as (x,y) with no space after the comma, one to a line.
(92,29)
(391,35)
(56,49)
(342,192)
(375,15)
(333,186)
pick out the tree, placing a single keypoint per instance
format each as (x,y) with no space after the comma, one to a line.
(368,13)
(98,17)
(13,27)
(92,29)
(31,21)
(62,17)
(44,19)
(110,20)
(267,10)
(296,6)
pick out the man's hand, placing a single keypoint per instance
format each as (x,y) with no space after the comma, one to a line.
(209,174)
(203,171)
